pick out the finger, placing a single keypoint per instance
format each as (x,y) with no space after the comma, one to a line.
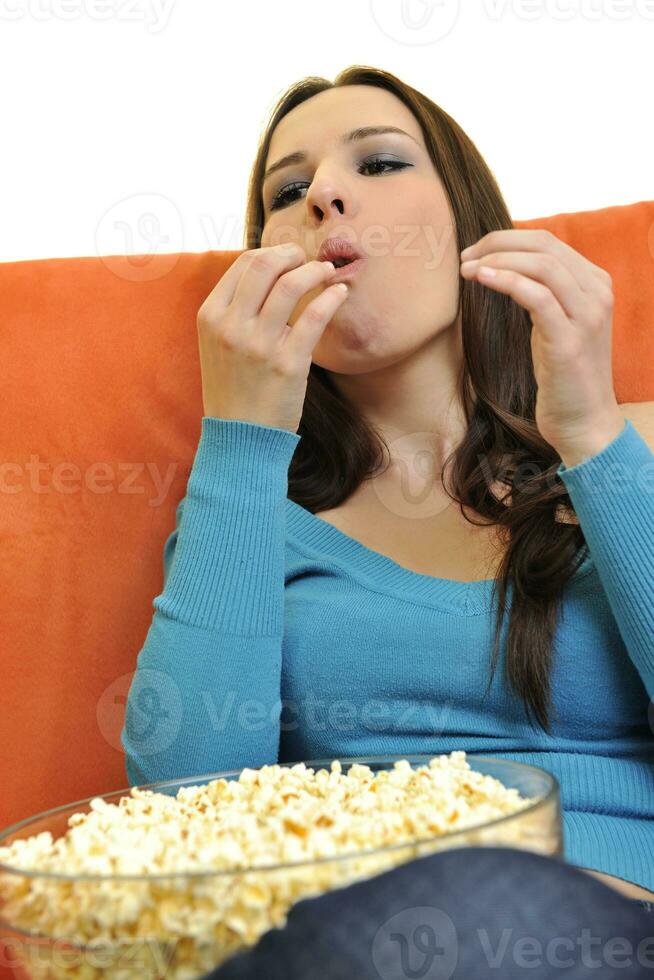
(543,268)
(261,276)
(538,240)
(223,293)
(303,336)
(287,293)
(540,301)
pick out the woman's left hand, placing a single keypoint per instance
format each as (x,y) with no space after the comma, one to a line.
(570,302)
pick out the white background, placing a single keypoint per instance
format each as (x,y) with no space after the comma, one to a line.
(130,126)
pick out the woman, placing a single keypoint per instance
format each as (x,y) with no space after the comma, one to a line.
(424,384)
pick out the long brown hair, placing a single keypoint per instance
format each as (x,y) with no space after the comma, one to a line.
(339,449)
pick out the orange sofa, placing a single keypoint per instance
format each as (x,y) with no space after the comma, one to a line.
(103,405)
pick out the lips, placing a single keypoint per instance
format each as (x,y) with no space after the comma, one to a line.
(337,250)
(346,258)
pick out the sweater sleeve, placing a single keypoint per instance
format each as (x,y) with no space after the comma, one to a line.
(205,696)
(613,496)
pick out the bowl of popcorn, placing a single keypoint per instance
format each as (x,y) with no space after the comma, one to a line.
(173,878)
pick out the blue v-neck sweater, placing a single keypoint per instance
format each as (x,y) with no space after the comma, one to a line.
(279,638)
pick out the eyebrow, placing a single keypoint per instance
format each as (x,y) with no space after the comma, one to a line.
(300,156)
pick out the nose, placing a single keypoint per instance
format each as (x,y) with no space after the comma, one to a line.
(326,197)
(321,204)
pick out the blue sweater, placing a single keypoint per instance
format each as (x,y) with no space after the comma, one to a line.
(279,638)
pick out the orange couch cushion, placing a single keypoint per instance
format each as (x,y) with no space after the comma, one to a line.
(102,408)
(102,415)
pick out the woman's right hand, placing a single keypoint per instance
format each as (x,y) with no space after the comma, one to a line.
(255,367)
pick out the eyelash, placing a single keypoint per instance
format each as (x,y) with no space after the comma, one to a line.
(280,198)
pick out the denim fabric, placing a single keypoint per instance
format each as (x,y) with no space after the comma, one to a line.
(457,915)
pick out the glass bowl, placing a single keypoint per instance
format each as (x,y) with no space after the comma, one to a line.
(198,938)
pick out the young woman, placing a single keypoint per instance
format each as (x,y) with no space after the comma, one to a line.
(448,434)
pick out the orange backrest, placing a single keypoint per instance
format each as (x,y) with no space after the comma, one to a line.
(103,403)
(102,416)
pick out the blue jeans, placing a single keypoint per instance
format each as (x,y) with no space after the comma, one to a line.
(464,914)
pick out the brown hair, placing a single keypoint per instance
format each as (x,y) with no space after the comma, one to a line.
(338,449)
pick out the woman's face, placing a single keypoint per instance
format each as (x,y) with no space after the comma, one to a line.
(407,290)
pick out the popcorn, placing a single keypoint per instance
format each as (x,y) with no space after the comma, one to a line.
(220,846)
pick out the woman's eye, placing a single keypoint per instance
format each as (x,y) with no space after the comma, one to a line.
(283,196)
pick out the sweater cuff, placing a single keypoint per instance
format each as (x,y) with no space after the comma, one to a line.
(251,457)
(623,468)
